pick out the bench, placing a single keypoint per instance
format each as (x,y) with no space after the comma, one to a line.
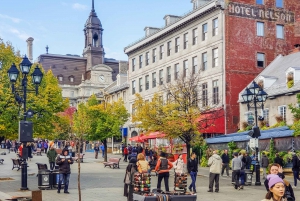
(16,164)
(112,162)
(1,161)
(76,158)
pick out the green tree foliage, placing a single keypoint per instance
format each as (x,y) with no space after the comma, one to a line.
(47,103)
(232,146)
(106,120)
(272,151)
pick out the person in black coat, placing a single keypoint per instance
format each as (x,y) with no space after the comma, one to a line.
(278,160)
(248,161)
(128,179)
(64,161)
(295,168)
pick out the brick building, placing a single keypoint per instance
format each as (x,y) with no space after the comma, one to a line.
(229,41)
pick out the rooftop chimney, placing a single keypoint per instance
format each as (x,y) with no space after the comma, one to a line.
(199,3)
(150,30)
(29,48)
(170,19)
(296,49)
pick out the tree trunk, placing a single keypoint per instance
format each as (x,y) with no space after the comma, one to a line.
(78,177)
(188,147)
(105,148)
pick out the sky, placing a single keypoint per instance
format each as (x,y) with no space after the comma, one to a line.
(59,23)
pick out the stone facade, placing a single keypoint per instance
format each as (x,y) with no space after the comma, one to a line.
(80,77)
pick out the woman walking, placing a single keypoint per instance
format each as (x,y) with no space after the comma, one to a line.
(179,165)
(276,189)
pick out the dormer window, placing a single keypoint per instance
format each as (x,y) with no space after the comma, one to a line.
(60,78)
(71,78)
(290,79)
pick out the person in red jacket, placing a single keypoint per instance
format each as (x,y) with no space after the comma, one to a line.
(125,152)
(163,167)
(21,150)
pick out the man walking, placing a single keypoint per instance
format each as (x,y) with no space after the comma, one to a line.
(264,165)
(295,168)
(52,156)
(225,163)
(278,160)
(192,167)
(64,161)
(102,149)
(125,153)
(96,150)
(236,165)
(215,164)
(248,161)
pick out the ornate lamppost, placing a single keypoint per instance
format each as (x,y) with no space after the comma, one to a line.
(255,97)
(25,127)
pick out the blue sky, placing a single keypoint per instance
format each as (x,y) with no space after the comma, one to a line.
(59,23)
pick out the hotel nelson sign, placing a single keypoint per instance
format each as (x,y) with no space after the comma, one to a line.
(254,12)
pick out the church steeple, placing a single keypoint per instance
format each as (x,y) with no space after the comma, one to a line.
(93,48)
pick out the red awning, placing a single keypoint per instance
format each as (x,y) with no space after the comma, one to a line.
(137,138)
(212,122)
(153,135)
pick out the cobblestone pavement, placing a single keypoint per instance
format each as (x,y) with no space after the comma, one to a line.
(99,183)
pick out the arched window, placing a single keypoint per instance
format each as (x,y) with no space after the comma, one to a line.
(60,78)
(95,40)
(71,78)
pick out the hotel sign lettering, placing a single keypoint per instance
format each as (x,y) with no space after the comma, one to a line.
(254,12)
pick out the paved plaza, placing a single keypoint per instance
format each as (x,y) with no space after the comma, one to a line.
(99,183)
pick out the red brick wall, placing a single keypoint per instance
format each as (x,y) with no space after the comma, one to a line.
(242,44)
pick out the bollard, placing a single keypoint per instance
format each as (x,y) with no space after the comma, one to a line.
(36,195)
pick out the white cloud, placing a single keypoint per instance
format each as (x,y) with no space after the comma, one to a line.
(22,35)
(15,20)
(78,6)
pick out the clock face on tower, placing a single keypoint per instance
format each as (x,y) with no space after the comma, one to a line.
(101,78)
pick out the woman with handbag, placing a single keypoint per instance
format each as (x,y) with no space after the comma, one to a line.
(179,165)
(142,164)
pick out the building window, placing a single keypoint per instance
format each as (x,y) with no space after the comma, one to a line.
(147,58)
(204,32)
(265,114)
(71,79)
(168,74)
(260,60)
(140,84)
(282,112)
(204,61)
(215,92)
(169,48)
(71,93)
(153,80)
(60,78)
(133,109)
(249,117)
(261,2)
(161,77)
(215,27)
(260,28)
(204,95)
(279,3)
(215,57)
(176,71)
(185,68)
(161,51)
(133,87)
(141,61)
(153,55)
(147,82)
(195,36)
(185,41)
(133,64)
(195,65)
(280,31)
(177,43)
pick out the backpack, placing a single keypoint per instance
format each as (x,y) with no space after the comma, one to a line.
(288,195)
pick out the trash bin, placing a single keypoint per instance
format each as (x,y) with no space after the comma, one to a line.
(55,176)
(248,177)
(44,179)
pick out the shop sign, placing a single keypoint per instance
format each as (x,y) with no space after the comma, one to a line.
(254,12)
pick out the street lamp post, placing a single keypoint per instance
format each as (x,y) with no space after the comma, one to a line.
(255,97)
(37,76)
